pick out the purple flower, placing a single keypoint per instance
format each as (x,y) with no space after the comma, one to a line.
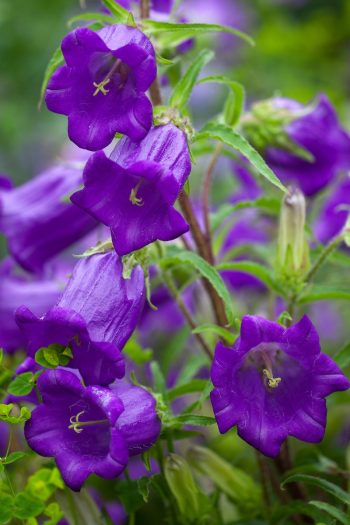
(318,132)
(249,229)
(95,316)
(90,430)
(37,222)
(133,191)
(272,384)
(17,288)
(102,86)
(334,212)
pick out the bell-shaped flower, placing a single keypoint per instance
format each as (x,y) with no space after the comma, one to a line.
(272,383)
(39,292)
(37,218)
(102,86)
(320,133)
(90,430)
(95,316)
(134,191)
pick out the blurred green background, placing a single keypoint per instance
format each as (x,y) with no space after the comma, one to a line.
(302,49)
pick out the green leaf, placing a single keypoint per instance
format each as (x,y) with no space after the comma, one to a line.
(332,511)
(120,14)
(164,61)
(6,508)
(136,353)
(14,456)
(27,506)
(196,385)
(232,138)
(215,329)
(100,247)
(53,512)
(235,103)
(177,33)
(1,355)
(298,508)
(322,292)
(269,205)
(43,483)
(183,88)
(98,17)
(55,62)
(158,379)
(342,358)
(207,271)
(22,385)
(252,268)
(323,484)
(7,416)
(54,355)
(192,419)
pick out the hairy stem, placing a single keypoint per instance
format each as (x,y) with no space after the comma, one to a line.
(326,252)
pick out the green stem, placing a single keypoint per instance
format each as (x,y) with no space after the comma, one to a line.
(326,252)
(170,283)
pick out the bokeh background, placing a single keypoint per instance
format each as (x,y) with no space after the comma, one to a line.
(302,47)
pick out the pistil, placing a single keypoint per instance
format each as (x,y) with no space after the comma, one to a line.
(77,425)
(100,86)
(272,382)
(133,198)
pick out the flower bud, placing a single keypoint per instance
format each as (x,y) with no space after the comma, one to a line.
(292,249)
(238,485)
(266,125)
(182,485)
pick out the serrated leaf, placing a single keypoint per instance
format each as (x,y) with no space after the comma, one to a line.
(323,484)
(196,385)
(120,14)
(235,103)
(322,292)
(7,416)
(252,268)
(55,62)
(332,511)
(177,33)
(232,138)
(6,508)
(27,506)
(184,87)
(98,17)
(215,329)
(207,271)
(192,419)
(14,456)
(22,385)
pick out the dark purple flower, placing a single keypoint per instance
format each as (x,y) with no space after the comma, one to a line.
(95,316)
(37,221)
(318,132)
(134,191)
(102,86)
(247,189)
(272,384)
(90,430)
(17,288)
(334,212)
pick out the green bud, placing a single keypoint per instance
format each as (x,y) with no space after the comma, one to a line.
(265,126)
(238,485)
(292,249)
(183,486)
